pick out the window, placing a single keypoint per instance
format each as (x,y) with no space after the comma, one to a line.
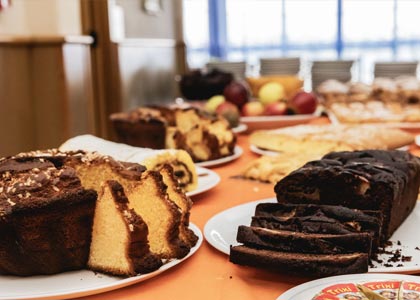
(363,30)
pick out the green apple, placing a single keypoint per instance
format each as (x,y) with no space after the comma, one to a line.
(271,92)
(214,102)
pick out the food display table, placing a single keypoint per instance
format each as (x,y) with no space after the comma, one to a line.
(208,274)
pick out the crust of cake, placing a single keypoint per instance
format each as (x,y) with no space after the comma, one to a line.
(311,265)
(137,252)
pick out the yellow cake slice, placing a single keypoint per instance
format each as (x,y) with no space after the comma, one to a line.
(119,236)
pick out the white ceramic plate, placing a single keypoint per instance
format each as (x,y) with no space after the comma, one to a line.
(271,122)
(237,152)
(220,231)
(402,125)
(260,151)
(240,128)
(309,289)
(77,283)
(207,179)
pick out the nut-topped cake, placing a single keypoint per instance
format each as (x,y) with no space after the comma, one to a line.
(45,218)
(49,202)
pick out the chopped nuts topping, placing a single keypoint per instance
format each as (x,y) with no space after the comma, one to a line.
(11,202)
(55,188)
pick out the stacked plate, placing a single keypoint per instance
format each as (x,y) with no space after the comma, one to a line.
(395,69)
(279,66)
(323,70)
(238,69)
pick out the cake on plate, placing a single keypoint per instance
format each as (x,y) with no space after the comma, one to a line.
(204,137)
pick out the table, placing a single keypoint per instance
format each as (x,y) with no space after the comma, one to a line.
(208,274)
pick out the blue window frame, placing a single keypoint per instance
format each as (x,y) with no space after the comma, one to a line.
(316,29)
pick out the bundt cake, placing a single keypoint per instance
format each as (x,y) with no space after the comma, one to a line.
(45,218)
(119,236)
(47,210)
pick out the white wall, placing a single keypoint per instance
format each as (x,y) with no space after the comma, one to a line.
(41,17)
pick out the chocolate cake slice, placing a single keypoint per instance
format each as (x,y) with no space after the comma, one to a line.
(387,181)
(323,219)
(294,241)
(310,265)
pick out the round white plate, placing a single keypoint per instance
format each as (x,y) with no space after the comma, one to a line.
(77,283)
(240,128)
(271,122)
(207,179)
(309,289)
(220,232)
(237,152)
(260,151)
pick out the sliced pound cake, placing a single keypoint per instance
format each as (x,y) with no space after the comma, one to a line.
(119,236)
(149,199)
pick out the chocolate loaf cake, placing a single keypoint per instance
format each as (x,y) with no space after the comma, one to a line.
(319,219)
(45,218)
(294,241)
(309,265)
(386,181)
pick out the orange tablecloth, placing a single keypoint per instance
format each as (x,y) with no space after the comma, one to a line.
(208,274)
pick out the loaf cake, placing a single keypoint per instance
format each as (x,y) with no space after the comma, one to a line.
(341,207)
(45,218)
(119,236)
(181,162)
(315,235)
(203,137)
(386,181)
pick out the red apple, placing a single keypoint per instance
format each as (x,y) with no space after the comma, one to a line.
(303,103)
(236,93)
(230,112)
(254,108)
(275,109)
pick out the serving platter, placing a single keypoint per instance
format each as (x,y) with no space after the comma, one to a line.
(79,283)
(207,179)
(237,152)
(220,232)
